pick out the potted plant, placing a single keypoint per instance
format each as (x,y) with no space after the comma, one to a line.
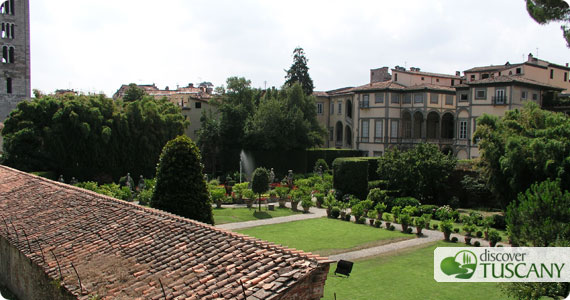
(446,226)
(238,190)
(371,217)
(218,195)
(329,202)
(367,205)
(273,195)
(487,223)
(494,238)
(427,218)
(295,199)
(335,212)
(396,210)
(420,223)
(357,211)
(469,229)
(343,206)
(380,208)
(248,195)
(282,192)
(387,218)
(320,197)
(306,203)
(404,220)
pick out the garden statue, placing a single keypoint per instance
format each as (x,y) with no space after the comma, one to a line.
(290,179)
(61,179)
(141,184)
(128,183)
(320,171)
(271,176)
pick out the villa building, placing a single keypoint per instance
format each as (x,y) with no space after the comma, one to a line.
(409,107)
(192,100)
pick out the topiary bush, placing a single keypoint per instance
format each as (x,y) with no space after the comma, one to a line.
(350,175)
(406,201)
(180,187)
(260,183)
(322,164)
(335,212)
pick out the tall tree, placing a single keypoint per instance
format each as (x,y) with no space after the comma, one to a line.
(299,72)
(134,92)
(180,186)
(546,11)
(209,139)
(525,146)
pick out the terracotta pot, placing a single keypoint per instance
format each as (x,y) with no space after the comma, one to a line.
(419,231)
(294,205)
(371,221)
(306,209)
(388,224)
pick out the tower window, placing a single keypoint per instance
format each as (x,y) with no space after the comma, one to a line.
(9,85)
(7,7)
(7,31)
(7,55)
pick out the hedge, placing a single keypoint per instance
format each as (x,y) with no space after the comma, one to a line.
(350,176)
(372,168)
(329,155)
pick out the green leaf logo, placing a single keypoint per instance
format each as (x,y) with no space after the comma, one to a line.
(463,264)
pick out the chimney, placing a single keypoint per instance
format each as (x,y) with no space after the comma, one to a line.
(530,57)
(457,73)
(190,85)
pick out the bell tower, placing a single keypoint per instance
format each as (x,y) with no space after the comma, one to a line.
(14,55)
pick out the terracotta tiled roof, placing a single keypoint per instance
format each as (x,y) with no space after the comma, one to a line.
(384,85)
(429,86)
(428,74)
(121,250)
(512,79)
(491,68)
(341,91)
(320,94)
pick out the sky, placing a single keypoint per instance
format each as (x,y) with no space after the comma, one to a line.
(95,46)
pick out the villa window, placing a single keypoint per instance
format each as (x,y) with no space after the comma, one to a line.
(365,130)
(395,98)
(551,74)
(524,95)
(565,76)
(7,31)
(319,108)
(472,77)
(332,107)
(340,107)
(463,130)
(534,96)
(7,55)
(365,100)
(434,98)
(9,85)
(379,98)
(448,99)
(394,129)
(518,71)
(378,131)
(7,7)
(418,98)
(331,134)
(198,105)
(407,99)
(481,93)
(463,97)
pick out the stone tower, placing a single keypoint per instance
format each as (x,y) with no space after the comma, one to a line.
(15,55)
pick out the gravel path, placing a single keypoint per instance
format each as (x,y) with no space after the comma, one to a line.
(429,236)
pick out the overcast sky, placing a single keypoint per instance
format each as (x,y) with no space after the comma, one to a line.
(97,45)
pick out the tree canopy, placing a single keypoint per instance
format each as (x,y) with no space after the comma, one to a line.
(134,92)
(420,172)
(180,186)
(260,183)
(90,137)
(525,146)
(546,11)
(299,72)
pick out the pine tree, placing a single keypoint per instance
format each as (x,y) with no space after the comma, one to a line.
(546,11)
(299,72)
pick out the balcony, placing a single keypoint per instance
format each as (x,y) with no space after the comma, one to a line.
(499,100)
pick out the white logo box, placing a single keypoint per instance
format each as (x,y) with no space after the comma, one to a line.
(502,264)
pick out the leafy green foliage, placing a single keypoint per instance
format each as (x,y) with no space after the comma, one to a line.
(111,190)
(209,139)
(90,137)
(541,216)
(133,93)
(526,146)
(299,72)
(260,182)
(421,172)
(180,185)
(322,164)
(546,11)
(351,176)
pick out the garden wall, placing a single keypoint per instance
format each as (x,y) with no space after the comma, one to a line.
(24,278)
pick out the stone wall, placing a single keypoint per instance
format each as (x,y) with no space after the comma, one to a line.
(310,288)
(26,279)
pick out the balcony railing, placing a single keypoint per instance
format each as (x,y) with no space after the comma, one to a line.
(499,100)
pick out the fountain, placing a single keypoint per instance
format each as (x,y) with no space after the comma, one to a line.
(246,165)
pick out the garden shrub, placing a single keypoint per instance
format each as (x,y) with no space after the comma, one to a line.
(322,164)
(328,155)
(477,244)
(367,204)
(479,234)
(377,223)
(456,230)
(180,187)
(372,167)
(347,217)
(361,220)
(499,222)
(454,239)
(357,210)
(406,201)
(350,175)
(410,210)
(377,184)
(335,212)
(428,209)
(392,228)
(377,195)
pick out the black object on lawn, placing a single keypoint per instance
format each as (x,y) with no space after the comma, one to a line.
(344,267)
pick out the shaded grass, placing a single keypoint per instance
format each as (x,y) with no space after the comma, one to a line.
(405,275)
(231,215)
(325,236)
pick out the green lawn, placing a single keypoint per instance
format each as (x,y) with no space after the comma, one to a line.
(231,215)
(407,275)
(325,236)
